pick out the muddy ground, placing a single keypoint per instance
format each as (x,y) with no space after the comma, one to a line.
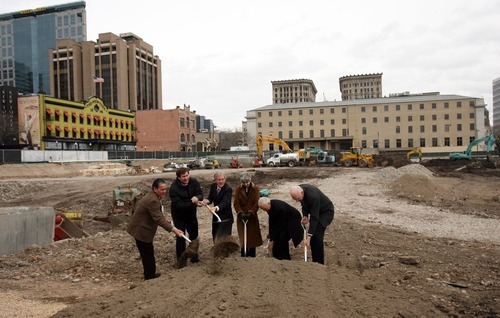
(419,242)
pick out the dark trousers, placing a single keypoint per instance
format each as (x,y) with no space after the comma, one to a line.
(185,225)
(281,249)
(251,252)
(317,245)
(147,252)
(221,230)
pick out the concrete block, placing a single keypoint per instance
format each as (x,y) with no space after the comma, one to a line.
(21,227)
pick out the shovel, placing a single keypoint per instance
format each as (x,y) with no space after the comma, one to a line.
(216,215)
(305,245)
(245,237)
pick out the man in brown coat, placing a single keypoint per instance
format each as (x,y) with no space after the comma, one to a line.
(147,216)
(246,198)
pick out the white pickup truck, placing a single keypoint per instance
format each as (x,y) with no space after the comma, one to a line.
(282,159)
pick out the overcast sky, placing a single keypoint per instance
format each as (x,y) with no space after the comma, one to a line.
(220,56)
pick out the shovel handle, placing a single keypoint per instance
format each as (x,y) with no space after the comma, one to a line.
(216,215)
(305,245)
(185,237)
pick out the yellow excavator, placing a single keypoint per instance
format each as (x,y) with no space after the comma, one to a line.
(413,151)
(258,159)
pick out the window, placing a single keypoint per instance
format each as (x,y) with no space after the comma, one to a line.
(290,134)
(386,119)
(375,143)
(398,107)
(446,105)
(259,125)
(434,142)
(422,128)
(363,109)
(422,118)
(259,114)
(289,113)
(311,123)
(332,110)
(271,124)
(311,111)
(386,108)
(311,133)
(374,120)
(410,129)
(398,129)
(433,105)
(322,133)
(459,141)
(300,112)
(472,127)
(270,114)
(446,116)
(459,104)
(374,109)
(344,110)
(434,117)
(434,128)
(363,120)
(363,143)
(345,132)
(387,143)
(422,106)
(363,130)
(410,142)
(398,119)
(279,124)
(459,116)
(447,128)
(447,141)
(398,143)
(322,122)
(471,115)
(280,134)
(290,123)
(279,112)
(410,118)
(321,111)
(422,142)
(459,127)
(344,121)
(332,132)
(301,134)
(410,106)
(332,121)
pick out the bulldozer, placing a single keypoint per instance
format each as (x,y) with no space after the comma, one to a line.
(356,157)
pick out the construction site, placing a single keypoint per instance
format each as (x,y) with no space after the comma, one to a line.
(409,239)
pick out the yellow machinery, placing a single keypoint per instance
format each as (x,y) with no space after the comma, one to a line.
(258,162)
(413,151)
(356,158)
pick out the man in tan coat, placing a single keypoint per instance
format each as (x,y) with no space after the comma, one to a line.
(147,216)
(246,198)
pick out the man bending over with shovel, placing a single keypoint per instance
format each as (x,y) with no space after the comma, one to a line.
(185,194)
(147,216)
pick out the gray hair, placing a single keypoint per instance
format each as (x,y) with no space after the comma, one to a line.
(246,176)
(263,200)
(218,173)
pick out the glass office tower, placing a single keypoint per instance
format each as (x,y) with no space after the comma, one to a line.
(26,38)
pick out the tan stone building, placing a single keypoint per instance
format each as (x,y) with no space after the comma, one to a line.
(166,130)
(361,86)
(121,70)
(391,124)
(293,91)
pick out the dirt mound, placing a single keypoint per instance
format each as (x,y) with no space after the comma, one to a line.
(390,160)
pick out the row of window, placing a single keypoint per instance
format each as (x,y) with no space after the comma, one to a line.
(364,131)
(86,134)
(422,142)
(290,89)
(386,108)
(363,120)
(98,121)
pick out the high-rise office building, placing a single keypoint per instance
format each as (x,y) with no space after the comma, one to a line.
(294,91)
(361,86)
(496,106)
(121,70)
(27,36)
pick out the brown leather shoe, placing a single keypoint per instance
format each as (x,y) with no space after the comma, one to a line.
(157,275)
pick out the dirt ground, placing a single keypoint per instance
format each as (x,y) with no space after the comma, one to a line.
(418,240)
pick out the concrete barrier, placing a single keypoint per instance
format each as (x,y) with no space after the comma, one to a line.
(21,227)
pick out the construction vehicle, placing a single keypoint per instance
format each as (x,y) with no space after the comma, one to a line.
(283,159)
(311,156)
(356,157)
(258,159)
(413,151)
(488,139)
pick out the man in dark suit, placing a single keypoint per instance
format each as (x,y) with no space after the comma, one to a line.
(220,195)
(185,193)
(147,216)
(284,224)
(318,211)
